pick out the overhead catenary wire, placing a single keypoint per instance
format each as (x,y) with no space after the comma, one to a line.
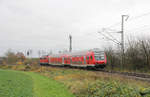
(113,25)
(131,19)
(139,16)
(138,28)
(109,38)
(104,30)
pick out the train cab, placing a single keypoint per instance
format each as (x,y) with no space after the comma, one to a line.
(44,60)
(100,59)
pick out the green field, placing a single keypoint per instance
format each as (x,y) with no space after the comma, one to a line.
(41,81)
(29,84)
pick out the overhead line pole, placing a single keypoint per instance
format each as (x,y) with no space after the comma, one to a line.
(70,46)
(122,39)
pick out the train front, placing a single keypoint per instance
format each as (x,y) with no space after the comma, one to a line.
(100,59)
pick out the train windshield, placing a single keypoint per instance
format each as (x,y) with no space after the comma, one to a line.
(99,56)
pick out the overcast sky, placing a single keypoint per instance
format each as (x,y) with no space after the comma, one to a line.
(46,24)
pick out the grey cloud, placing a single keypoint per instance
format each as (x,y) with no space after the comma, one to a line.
(46,24)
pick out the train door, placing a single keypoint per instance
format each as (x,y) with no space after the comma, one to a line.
(91,59)
(87,59)
(84,58)
(70,60)
(63,59)
(49,60)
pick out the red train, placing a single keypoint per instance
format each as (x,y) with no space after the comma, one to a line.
(90,58)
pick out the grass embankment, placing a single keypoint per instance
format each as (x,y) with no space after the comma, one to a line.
(92,84)
(29,84)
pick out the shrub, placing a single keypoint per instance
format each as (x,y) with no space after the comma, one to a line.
(114,89)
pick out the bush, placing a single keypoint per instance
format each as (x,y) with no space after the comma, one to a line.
(27,68)
(114,89)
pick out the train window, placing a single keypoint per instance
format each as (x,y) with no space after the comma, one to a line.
(99,57)
(87,57)
(70,60)
(84,59)
(91,58)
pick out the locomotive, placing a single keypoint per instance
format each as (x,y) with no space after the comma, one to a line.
(90,58)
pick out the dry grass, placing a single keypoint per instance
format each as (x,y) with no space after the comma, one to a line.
(88,83)
(79,82)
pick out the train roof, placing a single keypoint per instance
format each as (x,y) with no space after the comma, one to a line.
(78,53)
(85,52)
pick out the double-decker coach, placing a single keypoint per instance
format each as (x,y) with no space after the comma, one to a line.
(91,58)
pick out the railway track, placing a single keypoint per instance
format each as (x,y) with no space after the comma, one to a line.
(131,75)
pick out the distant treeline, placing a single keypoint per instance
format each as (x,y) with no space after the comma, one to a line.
(136,56)
(18,58)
